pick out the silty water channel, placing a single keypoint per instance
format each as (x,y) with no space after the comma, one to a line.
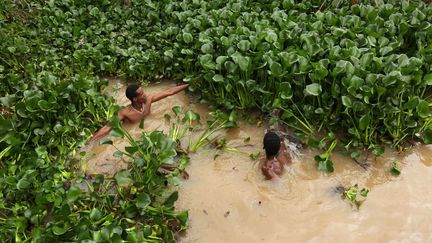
(229,200)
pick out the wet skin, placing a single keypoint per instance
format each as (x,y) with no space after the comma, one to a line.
(274,165)
(139,108)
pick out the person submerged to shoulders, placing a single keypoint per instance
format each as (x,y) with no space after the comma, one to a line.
(277,156)
(140,106)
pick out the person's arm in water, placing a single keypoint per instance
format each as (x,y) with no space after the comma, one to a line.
(106,129)
(268,171)
(285,156)
(169,92)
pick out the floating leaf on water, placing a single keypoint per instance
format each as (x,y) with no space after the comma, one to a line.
(394,169)
(177,110)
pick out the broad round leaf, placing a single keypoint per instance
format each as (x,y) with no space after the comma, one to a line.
(218,78)
(285,91)
(187,37)
(244,45)
(143,200)
(346,101)
(313,89)
(276,69)
(123,178)
(423,109)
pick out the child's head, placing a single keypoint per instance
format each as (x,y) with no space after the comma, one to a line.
(271,144)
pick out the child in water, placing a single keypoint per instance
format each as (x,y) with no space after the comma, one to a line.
(277,155)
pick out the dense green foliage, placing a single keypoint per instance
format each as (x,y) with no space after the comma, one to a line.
(361,72)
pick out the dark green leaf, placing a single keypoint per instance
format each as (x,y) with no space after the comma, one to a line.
(169,202)
(73,194)
(143,200)
(95,214)
(177,110)
(394,169)
(423,109)
(123,178)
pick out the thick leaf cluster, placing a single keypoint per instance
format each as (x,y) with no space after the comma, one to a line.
(359,70)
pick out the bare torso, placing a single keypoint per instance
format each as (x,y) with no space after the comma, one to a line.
(131,114)
(274,166)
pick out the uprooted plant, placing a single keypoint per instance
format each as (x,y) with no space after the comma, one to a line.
(355,196)
(188,124)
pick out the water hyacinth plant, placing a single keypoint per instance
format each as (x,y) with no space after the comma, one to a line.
(358,69)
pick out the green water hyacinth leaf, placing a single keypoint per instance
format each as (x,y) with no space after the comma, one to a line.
(244,45)
(394,169)
(423,109)
(364,122)
(288,59)
(60,229)
(207,48)
(385,50)
(225,41)
(143,201)
(427,136)
(169,202)
(285,91)
(187,38)
(428,79)
(123,178)
(169,53)
(106,141)
(73,194)
(45,105)
(23,183)
(276,69)
(191,116)
(230,66)
(324,164)
(243,63)
(220,60)
(118,154)
(207,61)
(7,101)
(313,89)
(95,214)
(271,36)
(94,11)
(11,49)
(177,110)
(130,150)
(218,78)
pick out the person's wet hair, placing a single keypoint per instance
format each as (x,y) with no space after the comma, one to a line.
(131,91)
(271,144)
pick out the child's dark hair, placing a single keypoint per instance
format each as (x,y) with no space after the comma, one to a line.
(131,91)
(271,144)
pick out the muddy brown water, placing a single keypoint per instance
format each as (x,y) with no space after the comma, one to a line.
(229,200)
